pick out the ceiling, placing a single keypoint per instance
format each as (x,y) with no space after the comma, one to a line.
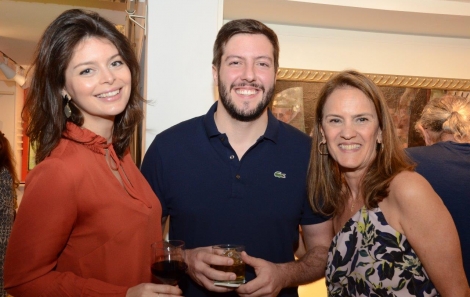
(443,18)
(23,21)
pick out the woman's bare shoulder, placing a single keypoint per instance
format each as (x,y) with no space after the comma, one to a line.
(411,188)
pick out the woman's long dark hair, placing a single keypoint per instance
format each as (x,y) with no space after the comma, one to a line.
(44,106)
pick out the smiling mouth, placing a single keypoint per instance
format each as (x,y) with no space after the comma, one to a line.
(247,89)
(109,94)
(349,146)
(246,92)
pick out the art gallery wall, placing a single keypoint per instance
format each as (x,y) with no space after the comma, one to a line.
(381,53)
(179,60)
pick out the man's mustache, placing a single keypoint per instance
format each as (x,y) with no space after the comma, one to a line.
(253,85)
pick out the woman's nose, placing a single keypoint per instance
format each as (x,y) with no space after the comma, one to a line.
(348,131)
(107,76)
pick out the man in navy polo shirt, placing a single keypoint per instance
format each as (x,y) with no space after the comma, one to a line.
(238,175)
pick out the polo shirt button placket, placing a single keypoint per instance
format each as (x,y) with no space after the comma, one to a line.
(232,157)
(237,176)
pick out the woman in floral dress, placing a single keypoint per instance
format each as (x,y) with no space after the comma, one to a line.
(394,236)
(8,184)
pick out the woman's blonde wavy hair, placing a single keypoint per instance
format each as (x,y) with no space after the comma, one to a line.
(448,114)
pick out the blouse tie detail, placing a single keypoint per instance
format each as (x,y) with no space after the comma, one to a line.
(99,145)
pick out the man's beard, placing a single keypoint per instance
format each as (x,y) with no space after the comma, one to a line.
(244,115)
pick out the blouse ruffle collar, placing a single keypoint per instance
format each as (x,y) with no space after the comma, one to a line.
(94,142)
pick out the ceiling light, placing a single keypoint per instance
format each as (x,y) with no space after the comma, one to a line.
(10,73)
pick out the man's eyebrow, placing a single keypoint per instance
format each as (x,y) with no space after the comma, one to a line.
(242,58)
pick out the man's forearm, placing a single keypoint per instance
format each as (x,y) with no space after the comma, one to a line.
(309,268)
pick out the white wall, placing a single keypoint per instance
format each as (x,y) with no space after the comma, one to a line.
(179,54)
(179,60)
(336,50)
(11,104)
(7,109)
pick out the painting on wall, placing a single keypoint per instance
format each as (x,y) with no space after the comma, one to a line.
(31,156)
(288,106)
(136,27)
(297,89)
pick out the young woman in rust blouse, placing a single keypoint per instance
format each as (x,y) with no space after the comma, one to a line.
(87,217)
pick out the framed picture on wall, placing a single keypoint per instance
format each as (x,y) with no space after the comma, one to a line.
(136,27)
(297,89)
(31,156)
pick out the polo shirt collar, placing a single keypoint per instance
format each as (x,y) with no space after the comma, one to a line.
(209,122)
(271,133)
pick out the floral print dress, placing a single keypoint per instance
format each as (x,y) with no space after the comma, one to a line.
(7,213)
(370,258)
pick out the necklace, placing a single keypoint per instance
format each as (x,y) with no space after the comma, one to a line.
(353,203)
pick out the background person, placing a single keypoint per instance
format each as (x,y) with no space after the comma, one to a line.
(87,217)
(8,184)
(445,160)
(237,175)
(394,235)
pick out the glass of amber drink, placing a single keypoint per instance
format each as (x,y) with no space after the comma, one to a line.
(233,251)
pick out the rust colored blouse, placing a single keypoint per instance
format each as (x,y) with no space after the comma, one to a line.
(78,232)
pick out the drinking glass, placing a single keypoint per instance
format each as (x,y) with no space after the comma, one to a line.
(232,251)
(168,264)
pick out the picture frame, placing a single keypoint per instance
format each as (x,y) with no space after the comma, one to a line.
(405,95)
(136,33)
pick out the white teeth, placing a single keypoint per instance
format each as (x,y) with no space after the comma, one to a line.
(246,92)
(109,94)
(349,146)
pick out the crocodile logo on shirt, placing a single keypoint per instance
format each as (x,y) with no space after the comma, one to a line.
(279,174)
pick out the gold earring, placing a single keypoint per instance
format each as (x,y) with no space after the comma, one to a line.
(320,150)
(67,110)
(381,145)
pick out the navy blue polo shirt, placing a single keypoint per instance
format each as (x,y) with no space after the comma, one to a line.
(212,197)
(446,166)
